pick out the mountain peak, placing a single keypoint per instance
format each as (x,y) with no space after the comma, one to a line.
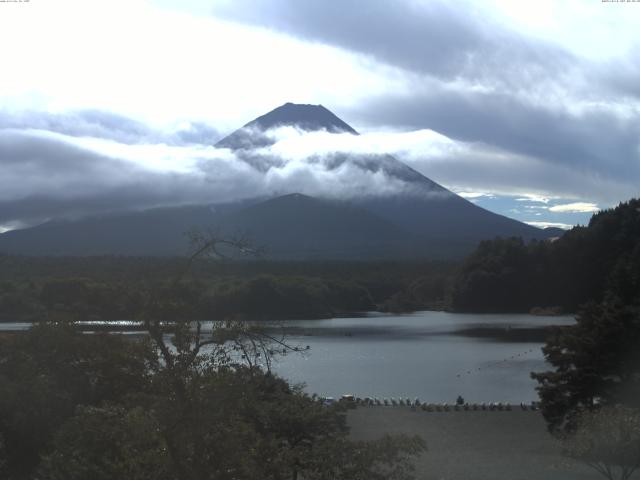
(304,116)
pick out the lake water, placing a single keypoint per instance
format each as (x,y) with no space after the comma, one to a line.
(434,356)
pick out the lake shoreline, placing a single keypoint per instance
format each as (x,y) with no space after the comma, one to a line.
(536,312)
(516,334)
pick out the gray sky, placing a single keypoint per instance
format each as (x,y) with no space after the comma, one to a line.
(529,108)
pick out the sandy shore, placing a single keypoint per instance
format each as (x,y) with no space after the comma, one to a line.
(475,445)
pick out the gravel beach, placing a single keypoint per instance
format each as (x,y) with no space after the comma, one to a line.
(475,445)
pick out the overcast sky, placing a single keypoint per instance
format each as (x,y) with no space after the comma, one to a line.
(529,108)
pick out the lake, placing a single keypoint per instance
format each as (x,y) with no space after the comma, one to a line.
(434,356)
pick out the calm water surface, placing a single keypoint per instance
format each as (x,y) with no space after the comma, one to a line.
(435,356)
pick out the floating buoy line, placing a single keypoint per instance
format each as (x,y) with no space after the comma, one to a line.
(496,363)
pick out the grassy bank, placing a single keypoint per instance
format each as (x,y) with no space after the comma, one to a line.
(475,445)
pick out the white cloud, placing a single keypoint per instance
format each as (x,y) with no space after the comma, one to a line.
(474,195)
(50,175)
(470,169)
(585,28)
(294,143)
(162,67)
(564,226)
(577,207)
(532,197)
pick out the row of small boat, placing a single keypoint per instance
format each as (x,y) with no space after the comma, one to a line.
(430,407)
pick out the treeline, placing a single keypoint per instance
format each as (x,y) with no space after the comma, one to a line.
(595,376)
(107,288)
(508,275)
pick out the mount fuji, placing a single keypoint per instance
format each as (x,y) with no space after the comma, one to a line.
(422,220)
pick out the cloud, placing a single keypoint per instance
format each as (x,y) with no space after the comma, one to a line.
(577,207)
(473,195)
(43,176)
(180,66)
(564,226)
(107,125)
(534,198)
(441,39)
(49,175)
(596,140)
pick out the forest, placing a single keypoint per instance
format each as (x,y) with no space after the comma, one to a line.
(108,288)
(508,275)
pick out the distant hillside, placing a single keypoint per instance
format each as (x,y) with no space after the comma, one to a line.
(440,216)
(299,226)
(583,265)
(293,226)
(155,232)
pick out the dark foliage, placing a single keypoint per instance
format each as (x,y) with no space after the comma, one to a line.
(596,361)
(77,406)
(46,374)
(507,275)
(108,288)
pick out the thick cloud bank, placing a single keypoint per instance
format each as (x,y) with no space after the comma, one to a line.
(58,171)
(48,175)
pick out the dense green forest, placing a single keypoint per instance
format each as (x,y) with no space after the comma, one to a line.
(107,288)
(508,275)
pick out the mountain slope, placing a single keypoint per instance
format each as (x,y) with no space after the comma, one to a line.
(448,216)
(299,226)
(293,226)
(152,232)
